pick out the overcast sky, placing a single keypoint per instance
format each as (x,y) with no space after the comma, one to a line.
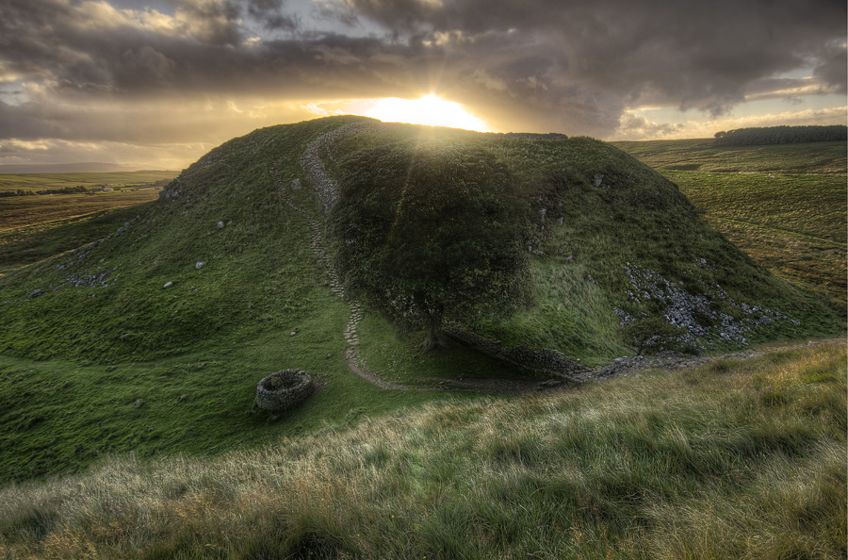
(158,83)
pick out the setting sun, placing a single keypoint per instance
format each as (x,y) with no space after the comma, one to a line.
(429,110)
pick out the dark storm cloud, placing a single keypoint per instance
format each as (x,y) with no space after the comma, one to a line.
(271,14)
(207,50)
(693,54)
(539,64)
(832,69)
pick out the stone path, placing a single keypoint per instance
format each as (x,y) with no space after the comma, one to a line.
(328,193)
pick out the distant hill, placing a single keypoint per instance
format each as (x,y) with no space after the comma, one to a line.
(620,261)
(760,136)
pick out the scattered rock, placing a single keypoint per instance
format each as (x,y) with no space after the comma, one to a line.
(199,264)
(168,284)
(89,280)
(295,184)
(624,318)
(293,333)
(220,224)
(36,293)
(696,315)
(138,403)
(598,179)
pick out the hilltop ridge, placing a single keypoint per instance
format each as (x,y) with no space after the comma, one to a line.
(620,260)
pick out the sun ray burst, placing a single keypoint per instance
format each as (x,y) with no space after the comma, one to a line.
(428,110)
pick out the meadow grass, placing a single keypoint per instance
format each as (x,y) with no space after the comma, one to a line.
(55,181)
(703,155)
(807,204)
(35,241)
(40,212)
(735,459)
(794,225)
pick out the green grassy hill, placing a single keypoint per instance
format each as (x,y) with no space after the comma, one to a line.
(619,258)
(152,338)
(615,245)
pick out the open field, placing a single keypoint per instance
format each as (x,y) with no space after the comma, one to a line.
(793,224)
(736,459)
(45,211)
(33,182)
(703,155)
(36,226)
(784,205)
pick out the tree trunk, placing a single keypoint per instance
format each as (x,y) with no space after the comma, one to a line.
(435,337)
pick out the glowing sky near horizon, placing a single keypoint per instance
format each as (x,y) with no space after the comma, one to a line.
(429,110)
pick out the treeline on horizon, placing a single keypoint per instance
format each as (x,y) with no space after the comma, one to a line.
(781,135)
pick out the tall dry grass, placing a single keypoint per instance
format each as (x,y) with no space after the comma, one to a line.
(732,460)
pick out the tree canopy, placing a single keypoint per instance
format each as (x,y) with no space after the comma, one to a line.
(431,232)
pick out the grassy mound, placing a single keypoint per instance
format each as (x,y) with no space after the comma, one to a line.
(732,460)
(97,356)
(620,260)
(602,228)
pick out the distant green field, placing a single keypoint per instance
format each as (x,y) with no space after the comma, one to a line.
(41,211)
(47,181)
(810,205)
(33,227)
(784,205)
(702,155)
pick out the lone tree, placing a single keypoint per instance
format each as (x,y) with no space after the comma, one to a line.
(430,233)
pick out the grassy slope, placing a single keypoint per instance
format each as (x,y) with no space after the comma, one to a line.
(194,353)
(732,460)
(634,216)
(783,205)
(76,361)
(28,245)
